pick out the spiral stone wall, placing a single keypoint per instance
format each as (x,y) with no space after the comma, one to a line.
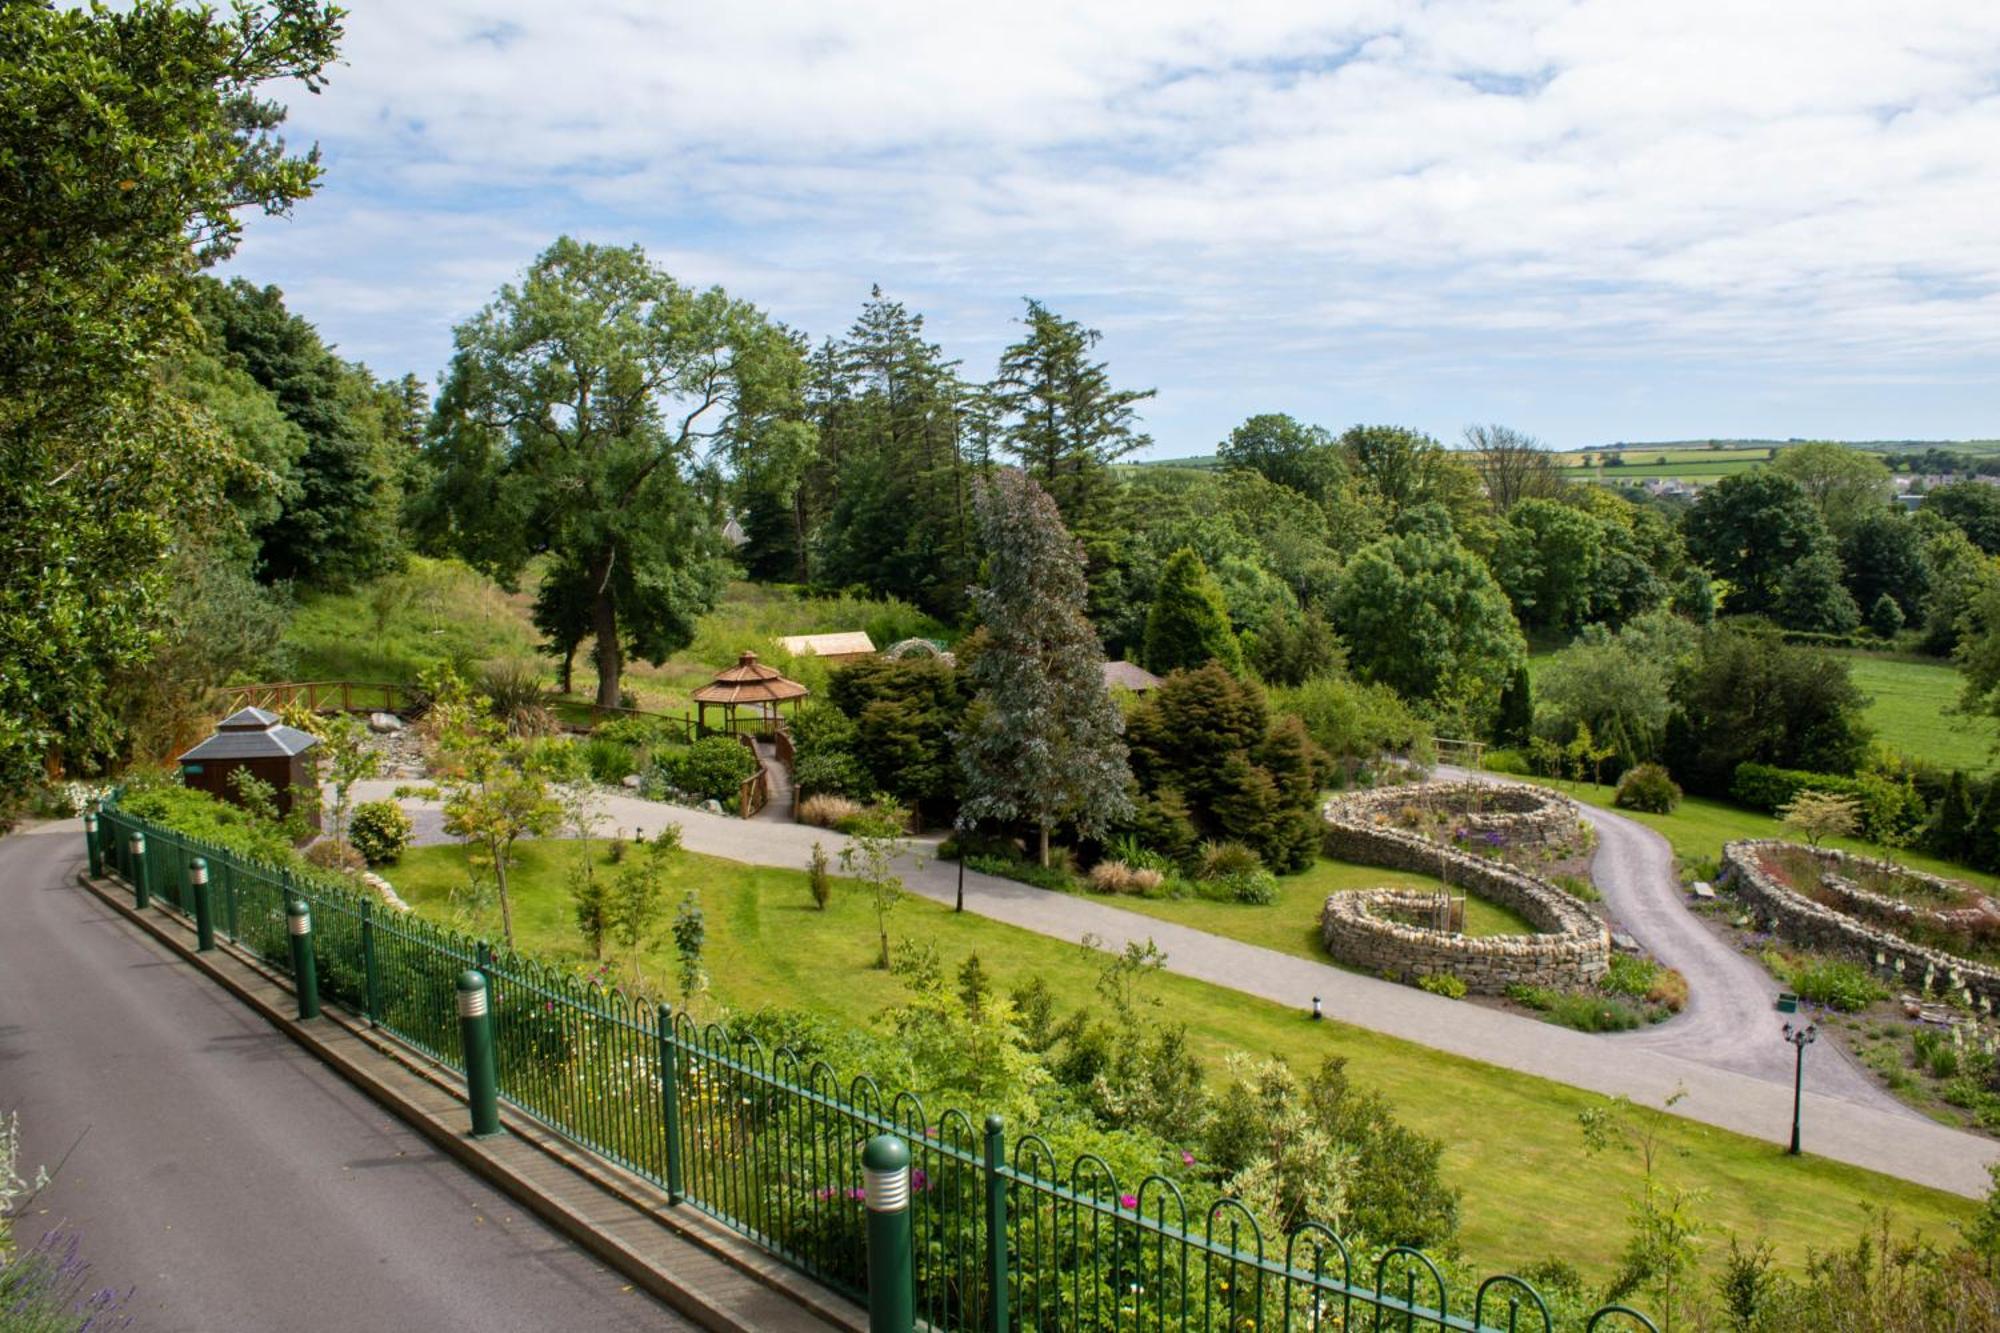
(1572,947)
(1519,814)
(1807,923)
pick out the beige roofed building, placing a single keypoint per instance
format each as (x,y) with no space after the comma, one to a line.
(845,647)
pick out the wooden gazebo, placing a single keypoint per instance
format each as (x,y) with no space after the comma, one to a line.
(747,684)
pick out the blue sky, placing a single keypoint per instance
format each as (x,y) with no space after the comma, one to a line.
(1588,220)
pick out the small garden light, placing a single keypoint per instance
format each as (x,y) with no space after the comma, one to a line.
(1316,1013)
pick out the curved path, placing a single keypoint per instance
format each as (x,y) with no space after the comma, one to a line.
(224,1172)
(1731,1020)
(1838,1126)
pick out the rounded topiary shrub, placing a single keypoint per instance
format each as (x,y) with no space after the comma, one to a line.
(1649,788)
(713,768)
(379,831)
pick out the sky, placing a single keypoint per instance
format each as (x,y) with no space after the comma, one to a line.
(1591,220)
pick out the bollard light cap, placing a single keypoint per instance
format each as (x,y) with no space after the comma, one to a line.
(472,979)
(198,871)
(885,1174)
(138,840)
(471,994)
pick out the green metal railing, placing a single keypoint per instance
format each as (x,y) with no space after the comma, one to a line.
(770,1145)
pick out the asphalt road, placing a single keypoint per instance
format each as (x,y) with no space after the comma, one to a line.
(223,1172)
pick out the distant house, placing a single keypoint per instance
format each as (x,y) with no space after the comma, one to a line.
(831,648)
(1130,676)
(732,532)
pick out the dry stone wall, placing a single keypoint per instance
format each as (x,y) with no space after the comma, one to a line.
(1571,947)
(1512,815)
(1802,921)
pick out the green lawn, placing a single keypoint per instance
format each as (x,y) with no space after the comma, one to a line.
(1291,925)
(1910,708)
(1511,1140)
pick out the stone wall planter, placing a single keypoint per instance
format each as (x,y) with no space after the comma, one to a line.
(1809,924)
(1572,948)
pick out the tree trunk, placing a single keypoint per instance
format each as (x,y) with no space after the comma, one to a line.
(604,625)
(567,676)
(1045,846)
(500,881)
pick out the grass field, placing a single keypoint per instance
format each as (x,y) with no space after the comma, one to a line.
(1512,1142)
(440,609)
(1910,710)
(1291,924)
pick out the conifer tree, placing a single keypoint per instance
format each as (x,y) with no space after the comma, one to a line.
(1043,742)
(1517,709)
(1951,831)
(1983,843)
(1188,625)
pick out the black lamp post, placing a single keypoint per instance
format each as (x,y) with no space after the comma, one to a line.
(1800,1038)
(958,828)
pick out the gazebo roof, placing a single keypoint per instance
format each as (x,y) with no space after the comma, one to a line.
(749,682)
(252,733)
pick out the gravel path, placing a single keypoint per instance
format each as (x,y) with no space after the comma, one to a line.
(1838,1125)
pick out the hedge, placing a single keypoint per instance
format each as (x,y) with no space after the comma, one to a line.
(1884,805)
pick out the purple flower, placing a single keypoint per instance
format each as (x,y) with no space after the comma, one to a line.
(1130,1201)
(919,1181)
(1495,838)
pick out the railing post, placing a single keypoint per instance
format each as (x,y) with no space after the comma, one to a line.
(142,896)
(305,972)
(885,1179)
(670,1100)
(371,979)
(475,1031)
(204,906)
(996,1225)
(92,845)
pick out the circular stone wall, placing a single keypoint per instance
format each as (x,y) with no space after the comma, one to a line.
(1811,924)
(1572,947)
(1510,815)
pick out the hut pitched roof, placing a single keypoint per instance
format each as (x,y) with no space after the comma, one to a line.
(749,682)
(848,644)
(1130,675)
(252,733)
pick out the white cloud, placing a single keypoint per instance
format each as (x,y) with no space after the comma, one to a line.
(1238,197)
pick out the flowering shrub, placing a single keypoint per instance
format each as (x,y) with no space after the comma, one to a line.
(379,831)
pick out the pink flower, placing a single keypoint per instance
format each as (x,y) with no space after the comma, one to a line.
(1187,1158)
(1130,1201)
(919,1181)
(856,1194)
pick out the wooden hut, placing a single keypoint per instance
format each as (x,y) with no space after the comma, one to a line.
(748,684)
(835,649)
(255,740)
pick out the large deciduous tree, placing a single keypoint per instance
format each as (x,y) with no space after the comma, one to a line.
(130,142)
(576,407)
(1845,485)
(1287,452)
(1042,743)
(1513,466)
(1421,614)
(1750,529)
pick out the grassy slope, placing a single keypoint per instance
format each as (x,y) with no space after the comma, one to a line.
(1291,925)
(1910,699)
(1511,1140)
(438,609)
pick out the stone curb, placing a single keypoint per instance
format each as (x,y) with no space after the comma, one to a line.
(697,1267)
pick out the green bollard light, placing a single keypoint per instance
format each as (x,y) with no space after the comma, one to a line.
(305,973)
(475,1029)
(142,895)
(885,1179)
(204,906)
(93,845)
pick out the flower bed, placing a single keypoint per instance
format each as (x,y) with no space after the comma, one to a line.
(1808,922)
(1479,815)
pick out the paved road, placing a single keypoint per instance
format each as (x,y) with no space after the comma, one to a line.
(1838,1126)
(1728,1023)
(232,1179)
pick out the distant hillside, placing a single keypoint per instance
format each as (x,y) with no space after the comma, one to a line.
(1873,446)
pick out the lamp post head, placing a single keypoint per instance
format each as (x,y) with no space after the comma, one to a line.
(1801,1036)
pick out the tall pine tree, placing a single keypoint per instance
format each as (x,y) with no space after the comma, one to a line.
(1188,625)
(1043,741)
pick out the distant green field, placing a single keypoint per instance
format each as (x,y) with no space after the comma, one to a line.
(1909,708)
(1910,711)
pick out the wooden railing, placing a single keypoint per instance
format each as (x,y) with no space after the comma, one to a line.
(346,696)
(1467,754)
